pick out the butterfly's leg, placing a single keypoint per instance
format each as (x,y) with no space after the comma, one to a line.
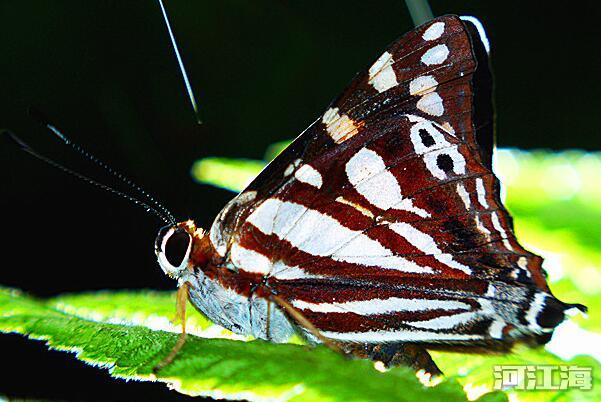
(414,356)
(398,354)
(180,308)
(268,321)
(305,323)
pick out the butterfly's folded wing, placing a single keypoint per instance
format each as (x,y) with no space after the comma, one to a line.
(383,221)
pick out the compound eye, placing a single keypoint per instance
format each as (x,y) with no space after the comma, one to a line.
(158,242)
(176,247)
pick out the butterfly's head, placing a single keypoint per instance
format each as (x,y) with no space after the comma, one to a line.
(175,246)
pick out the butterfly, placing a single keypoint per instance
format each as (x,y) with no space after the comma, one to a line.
(380,230)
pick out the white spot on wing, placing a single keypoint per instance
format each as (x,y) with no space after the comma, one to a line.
(367,172)
(339,127)
(465,197)
(497,225)
(307,174)
(496,329)
(481,193)
(290,168)
(364,165)
(431,103)
(481,228)
(330,116)
(434,31)
(422,85)
(381,74)
(435,55)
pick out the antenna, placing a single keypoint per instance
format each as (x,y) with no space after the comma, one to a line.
(44,121)
(181,64)
(23,146)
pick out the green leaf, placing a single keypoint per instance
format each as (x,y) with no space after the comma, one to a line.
(275,149)
(125,332)
(228,173)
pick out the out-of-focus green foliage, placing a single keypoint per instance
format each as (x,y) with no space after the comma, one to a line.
(225,172)
(560,191)
(233,174)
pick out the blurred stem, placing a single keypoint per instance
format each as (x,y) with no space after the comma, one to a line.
(420,11)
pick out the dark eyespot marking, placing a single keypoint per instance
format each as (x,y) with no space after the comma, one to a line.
(426,138)
(176,247)
(445,163)
(552,313)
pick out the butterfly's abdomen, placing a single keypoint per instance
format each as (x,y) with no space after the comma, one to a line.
(238,312)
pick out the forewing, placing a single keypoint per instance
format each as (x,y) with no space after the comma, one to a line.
(392,189)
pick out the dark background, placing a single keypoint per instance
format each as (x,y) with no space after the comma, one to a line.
(106,74)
